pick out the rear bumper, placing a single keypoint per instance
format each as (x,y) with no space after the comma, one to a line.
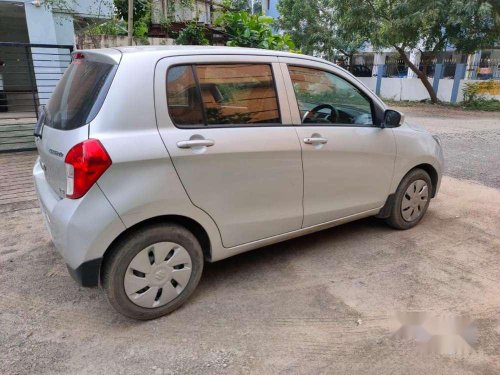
(81,229)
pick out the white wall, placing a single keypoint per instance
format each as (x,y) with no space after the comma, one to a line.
(403,89)
(445,88)
(41,28)
(369,82)
(398,88)
(412,89)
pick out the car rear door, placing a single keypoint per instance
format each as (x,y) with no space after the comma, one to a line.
(63,122)
(228,131)
(348,159)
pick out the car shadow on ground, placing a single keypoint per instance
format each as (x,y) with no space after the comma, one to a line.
(241,275)
(318,244)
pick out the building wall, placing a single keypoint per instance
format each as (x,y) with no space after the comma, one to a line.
(110,41)
(87,8)
(39,24)
(13,22)
(199,11)
(55,26)
(269,7)
(13,72)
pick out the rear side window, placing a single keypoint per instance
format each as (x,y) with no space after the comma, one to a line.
(184,103)
(224,94)
(76,99)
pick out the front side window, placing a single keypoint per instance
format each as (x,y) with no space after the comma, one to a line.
(222,95)
(325,98)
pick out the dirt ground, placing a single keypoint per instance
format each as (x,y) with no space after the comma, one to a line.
(320,304)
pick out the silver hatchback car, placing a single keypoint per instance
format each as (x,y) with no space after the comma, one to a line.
(153,160)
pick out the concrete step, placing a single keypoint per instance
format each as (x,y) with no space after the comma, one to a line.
(19,102)
(15,137)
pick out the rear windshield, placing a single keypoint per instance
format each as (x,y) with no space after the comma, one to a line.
(78,96)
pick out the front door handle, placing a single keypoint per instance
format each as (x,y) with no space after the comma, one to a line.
(315,140)
(192,143)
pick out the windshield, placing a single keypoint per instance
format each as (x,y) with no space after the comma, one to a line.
(78,96)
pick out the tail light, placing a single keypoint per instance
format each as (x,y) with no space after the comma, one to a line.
(85,163)
(77,58)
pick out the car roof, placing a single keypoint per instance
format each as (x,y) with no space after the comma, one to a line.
(186,50)
(164,51)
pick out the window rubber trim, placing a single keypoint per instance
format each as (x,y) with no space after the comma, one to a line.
(198,90)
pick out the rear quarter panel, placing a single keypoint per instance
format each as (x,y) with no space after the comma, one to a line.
(142,182)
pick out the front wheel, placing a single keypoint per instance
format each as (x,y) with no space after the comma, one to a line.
(153,271)
(411,200)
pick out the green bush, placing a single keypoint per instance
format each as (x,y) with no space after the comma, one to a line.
(251,30)
(475,95)
(482,104)
(192,34)
(142,9)
(111,27)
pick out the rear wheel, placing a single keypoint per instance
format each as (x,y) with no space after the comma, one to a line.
(153,271)
(411,200)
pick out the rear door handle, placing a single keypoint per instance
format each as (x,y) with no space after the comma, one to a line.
(315,140)
(195,143)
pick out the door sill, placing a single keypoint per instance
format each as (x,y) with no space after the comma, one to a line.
(228,252)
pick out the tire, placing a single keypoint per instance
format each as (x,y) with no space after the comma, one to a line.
(403,218)
(141,291)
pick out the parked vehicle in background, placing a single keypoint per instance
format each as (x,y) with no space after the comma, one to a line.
(153,160)
(484,72)
(360,71)
(427,69)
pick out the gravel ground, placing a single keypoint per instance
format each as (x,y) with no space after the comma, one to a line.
(319,304)
(471,140)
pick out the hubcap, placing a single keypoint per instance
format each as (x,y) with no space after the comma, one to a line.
(157,274)
(414,200)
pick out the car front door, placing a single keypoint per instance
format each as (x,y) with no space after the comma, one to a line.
(348,160)
(226,124)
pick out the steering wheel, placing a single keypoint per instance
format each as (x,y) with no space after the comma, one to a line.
(334,114)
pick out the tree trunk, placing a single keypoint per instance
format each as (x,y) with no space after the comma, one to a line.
(130,32)
(422,76)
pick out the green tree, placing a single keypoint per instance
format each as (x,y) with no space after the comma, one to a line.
(250,30)
(192,34)
(251,6)
(142,15)
(428,25)
(141,8)
(313,28)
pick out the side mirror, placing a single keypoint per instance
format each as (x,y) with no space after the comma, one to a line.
(392,119)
